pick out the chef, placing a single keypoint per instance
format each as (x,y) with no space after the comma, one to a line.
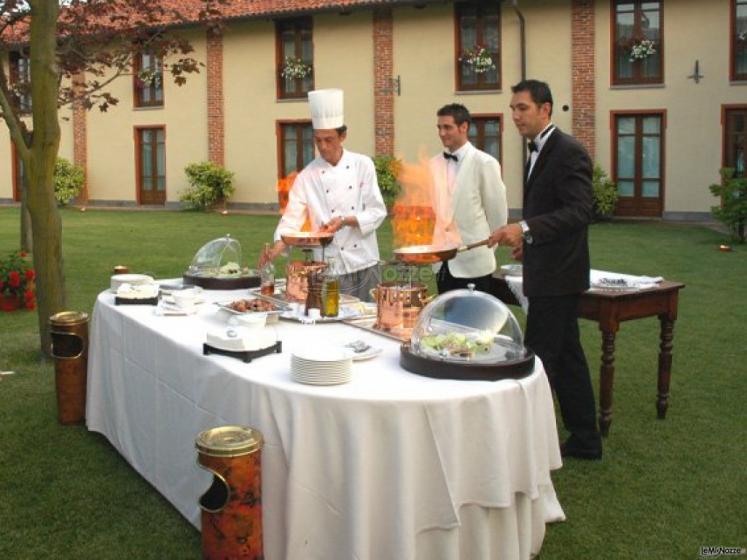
(339,193)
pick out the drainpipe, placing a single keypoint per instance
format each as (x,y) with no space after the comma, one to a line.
(523,54)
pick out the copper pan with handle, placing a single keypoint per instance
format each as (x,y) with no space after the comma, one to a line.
(430,254)
(308,239)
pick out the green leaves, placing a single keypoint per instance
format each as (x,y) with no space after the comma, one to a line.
(68,181)
(732,211)
(209,183)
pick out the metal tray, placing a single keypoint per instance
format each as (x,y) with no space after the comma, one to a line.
(368,323)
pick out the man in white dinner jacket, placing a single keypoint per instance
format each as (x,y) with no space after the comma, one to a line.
(338,192)
(469,200)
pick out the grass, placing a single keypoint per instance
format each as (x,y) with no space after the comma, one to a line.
(664,488)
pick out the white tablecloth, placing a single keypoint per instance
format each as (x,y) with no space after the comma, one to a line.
(391,465)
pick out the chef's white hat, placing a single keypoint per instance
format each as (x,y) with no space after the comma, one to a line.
(326,108)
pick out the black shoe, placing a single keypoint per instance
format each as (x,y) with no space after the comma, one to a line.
(569,449)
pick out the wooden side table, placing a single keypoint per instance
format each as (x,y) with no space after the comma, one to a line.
(609,309)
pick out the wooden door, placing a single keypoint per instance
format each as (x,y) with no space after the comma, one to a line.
(151,165)
(639,164)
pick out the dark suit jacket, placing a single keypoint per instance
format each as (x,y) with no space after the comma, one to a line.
(558,210)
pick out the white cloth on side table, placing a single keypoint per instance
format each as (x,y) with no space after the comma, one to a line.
(596,279)
(391,465)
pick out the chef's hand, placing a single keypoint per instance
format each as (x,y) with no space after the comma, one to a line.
(517,253)
(507,235)
(271,253)
(334,225)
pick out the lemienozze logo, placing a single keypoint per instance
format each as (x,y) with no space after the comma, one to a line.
(716,551)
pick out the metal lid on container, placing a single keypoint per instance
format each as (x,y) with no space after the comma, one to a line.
(229,441)
(68,318)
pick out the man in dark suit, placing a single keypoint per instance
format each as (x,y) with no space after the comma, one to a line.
(551,239)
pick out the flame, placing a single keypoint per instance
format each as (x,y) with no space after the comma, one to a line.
(284,186)
(421,214)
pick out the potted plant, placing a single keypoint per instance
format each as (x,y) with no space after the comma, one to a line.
(68,181)
(294,68)
(641,50)
(732,211)
(478,59)
(17,290)
(604,195)
(209,183)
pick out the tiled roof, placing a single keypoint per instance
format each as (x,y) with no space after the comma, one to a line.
(237,9)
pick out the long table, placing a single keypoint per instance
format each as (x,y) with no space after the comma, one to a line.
(609,309)
(391,465)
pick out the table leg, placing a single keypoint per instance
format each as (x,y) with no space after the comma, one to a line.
(606,379)
(665,365)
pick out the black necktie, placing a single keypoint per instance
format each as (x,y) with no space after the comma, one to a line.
(532,147)
(448,156)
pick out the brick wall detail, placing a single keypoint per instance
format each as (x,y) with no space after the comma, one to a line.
(582,65)
(383,86)
(216,132)
(80,136)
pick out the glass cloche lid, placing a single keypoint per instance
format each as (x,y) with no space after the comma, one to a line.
(218,258)
(468,326)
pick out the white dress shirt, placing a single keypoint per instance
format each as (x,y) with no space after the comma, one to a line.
(323,191)
(539,141)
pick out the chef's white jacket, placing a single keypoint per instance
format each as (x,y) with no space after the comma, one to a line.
(323,191)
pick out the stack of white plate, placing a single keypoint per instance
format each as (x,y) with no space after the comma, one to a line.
(322,366)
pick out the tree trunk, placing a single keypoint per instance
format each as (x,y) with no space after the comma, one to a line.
(46,222)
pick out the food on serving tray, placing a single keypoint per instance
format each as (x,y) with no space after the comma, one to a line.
(457,344)
(251,305)
(137,291)
(229,269)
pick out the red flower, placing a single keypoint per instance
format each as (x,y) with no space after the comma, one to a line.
(30,304)
(30,274)
(14,279)
(28,295)
(23,253)
(1,284)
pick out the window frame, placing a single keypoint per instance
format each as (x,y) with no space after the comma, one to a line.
(16,167)
(733,75)
(280,26)
(725,109)
(280,135)
(138,87)
(637,79)
(662,114)
(480,86)
(491,116)
(23,101)
(138,129)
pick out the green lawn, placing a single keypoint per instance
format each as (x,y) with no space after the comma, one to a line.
(664,488)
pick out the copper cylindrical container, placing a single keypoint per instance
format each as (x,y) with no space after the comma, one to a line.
(69,332)
(297,274)
(232,506)
(393,298)
(121,269)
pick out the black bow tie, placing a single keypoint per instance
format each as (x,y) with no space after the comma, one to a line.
(448,156)
(533,147)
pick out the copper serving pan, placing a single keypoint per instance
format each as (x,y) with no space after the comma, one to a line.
(308,238)
(429,254)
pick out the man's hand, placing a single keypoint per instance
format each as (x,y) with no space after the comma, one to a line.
(271,253)
(334,225)
(509,235)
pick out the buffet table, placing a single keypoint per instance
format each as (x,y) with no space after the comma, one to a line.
(391,465)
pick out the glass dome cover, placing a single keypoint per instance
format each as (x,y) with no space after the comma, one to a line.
(468,326)
(219,258)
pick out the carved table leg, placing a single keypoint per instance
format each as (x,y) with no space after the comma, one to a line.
(606,379)
(665,365)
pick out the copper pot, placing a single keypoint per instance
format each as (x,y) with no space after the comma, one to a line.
(398,304)
(297,274)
